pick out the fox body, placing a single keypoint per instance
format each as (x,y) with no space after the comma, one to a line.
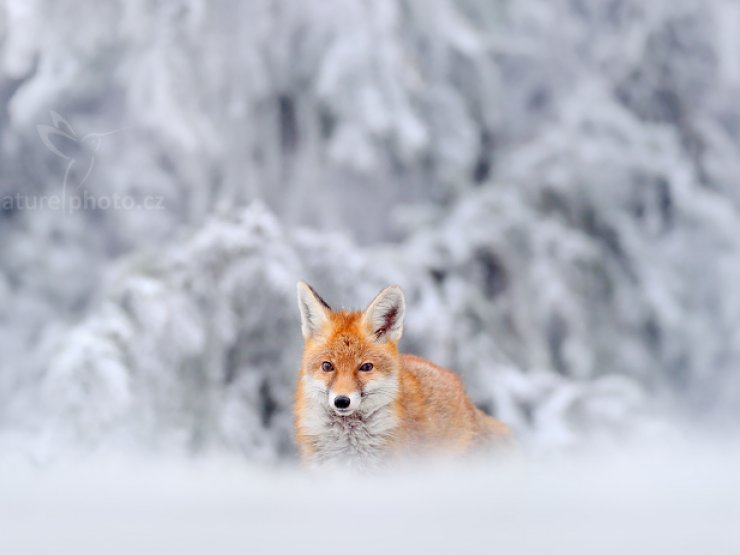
(359,399)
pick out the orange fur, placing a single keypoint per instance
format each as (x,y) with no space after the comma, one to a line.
(415,403)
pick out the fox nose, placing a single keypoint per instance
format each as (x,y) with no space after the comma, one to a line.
(341,402)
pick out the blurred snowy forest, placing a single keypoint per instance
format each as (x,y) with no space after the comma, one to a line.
(552,182)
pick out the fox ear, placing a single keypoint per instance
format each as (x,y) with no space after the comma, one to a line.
(384,316)
(314,310)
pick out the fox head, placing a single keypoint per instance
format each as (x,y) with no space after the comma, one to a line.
(351,361)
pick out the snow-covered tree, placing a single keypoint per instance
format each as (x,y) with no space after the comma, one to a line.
(552,182)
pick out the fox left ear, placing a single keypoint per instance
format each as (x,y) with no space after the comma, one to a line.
(384,316)
(314,310)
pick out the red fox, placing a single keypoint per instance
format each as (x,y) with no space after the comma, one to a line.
(358,399)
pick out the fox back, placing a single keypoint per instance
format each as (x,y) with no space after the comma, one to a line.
(359,400)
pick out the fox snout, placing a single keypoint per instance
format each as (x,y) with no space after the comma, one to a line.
(344,403)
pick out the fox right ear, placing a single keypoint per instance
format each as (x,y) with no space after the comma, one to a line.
(384,316)
(314,310)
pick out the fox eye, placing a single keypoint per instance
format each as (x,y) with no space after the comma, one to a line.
(366,367)
(327,366)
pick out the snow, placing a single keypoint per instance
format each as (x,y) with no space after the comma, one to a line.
(669,499)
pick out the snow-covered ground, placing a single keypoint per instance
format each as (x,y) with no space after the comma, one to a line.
(677,498)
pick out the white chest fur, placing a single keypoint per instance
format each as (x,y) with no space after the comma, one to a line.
(362,436)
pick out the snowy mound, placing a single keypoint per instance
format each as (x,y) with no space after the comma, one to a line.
(200,346)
